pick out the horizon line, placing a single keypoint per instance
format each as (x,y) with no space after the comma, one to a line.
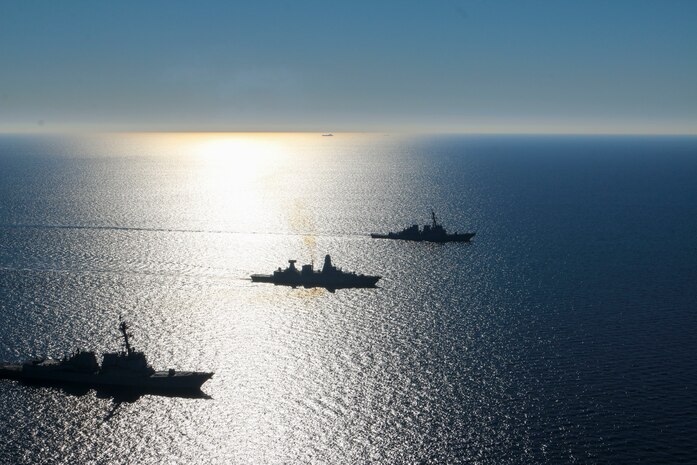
(405,132)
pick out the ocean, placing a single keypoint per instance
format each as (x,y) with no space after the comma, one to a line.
(565,332)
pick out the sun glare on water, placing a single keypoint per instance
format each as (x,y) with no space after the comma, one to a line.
(238,174)
(240,158)
(242,182)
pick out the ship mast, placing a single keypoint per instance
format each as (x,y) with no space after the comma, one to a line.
(123,327)
(433,217)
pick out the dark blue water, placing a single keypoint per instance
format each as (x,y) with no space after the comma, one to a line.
(564,333)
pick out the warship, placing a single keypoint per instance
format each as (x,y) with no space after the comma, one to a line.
(127,369)
(433,232)
(330,277)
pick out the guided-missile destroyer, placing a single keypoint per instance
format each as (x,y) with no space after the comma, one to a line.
(434,232)
(127,369)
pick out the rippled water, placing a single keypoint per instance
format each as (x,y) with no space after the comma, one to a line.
(565,332)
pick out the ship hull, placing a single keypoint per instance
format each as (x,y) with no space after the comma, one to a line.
(420,238)
(358,281)
(158,381)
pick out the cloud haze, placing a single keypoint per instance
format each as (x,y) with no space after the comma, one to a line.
(541,66)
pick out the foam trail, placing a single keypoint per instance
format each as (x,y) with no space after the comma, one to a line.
(168,230)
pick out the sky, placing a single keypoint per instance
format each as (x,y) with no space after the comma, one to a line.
(596,66)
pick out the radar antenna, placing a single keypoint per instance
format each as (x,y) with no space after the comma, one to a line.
(124,327)
(433,217)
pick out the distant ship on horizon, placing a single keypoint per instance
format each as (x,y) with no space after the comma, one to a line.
(434,232)
(329,277)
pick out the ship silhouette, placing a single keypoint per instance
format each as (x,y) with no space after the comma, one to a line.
(329,277)
(434,232)
(124,370)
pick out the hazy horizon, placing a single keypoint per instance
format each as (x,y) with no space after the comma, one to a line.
(626,67)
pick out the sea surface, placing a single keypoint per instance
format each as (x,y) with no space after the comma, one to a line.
(566,332)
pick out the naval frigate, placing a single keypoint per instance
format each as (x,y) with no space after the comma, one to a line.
(329,277)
